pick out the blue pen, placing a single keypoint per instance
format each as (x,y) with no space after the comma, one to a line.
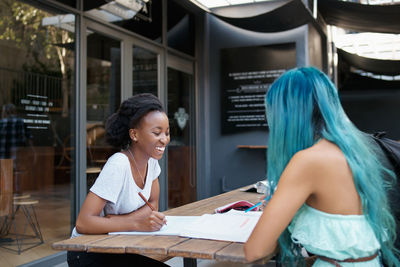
(256,205)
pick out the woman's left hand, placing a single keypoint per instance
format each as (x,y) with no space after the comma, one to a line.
(264,202)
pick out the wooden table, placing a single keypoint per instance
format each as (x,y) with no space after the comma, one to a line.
(166,247)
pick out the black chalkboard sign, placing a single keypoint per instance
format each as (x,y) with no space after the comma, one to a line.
(246,74)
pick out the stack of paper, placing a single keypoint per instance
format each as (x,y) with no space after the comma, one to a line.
(232,226)
(235,226)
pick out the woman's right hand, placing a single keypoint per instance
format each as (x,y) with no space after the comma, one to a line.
(153,222)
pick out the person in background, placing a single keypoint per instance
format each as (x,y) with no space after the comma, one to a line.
(15,134)
(140,128)
(329,187)
(13,131)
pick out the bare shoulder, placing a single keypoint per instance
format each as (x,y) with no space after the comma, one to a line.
(307,170)
(319,158)
(320,153)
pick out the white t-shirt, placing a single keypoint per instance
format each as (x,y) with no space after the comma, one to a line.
(116,185)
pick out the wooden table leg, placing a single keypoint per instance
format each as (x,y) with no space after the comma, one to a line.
(189,262)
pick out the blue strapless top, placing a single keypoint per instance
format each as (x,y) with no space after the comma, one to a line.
(335,236)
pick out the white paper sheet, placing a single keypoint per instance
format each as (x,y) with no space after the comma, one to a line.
(233,226)
(174,226)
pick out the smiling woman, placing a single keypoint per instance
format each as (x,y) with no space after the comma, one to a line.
(140,128)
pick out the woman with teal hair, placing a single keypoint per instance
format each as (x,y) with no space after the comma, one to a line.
(329,184)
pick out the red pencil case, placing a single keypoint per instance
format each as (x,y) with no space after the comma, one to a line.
(238,205)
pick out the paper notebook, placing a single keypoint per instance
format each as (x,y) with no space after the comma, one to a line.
(234,226)
(174,226)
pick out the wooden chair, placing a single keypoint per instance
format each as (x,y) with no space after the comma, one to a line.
(10,205)
(27,206)
(18,240)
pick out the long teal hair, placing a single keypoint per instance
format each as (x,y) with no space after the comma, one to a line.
(303,106)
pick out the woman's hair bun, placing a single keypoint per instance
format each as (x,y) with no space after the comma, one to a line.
(128,116)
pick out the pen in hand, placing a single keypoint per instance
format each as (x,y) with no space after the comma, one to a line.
(145,201)
(148,204)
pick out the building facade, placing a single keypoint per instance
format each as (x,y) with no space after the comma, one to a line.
(65,66)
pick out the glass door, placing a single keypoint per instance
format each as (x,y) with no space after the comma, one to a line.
(118,66)
(182,149)
(103,97)
(144,71)
(37,66)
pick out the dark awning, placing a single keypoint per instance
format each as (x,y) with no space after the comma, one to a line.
(362,84)
(360,17)
(288,16)
(376,66)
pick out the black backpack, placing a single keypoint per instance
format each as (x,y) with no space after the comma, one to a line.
(391,149)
